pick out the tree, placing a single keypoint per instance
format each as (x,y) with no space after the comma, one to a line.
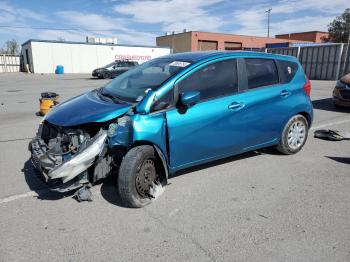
(339,29)
(11,47)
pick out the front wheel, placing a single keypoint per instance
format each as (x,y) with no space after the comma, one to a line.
(106,75)
(294,135)
(138,178)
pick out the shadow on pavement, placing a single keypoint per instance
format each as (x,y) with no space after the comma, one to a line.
(344,160)
(35,184)
(218,162)
(110,192)
(327,105)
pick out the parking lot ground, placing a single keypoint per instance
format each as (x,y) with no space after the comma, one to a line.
(259,206)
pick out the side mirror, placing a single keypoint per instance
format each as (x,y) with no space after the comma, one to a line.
(190,98)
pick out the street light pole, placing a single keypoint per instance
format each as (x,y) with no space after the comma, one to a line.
(268,11)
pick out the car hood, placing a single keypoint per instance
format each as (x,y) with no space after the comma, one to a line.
(85,108)
(100,69)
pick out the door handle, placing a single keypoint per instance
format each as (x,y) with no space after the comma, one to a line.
(285,93)
(235,106)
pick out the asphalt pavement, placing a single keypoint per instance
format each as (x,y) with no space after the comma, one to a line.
(258,206)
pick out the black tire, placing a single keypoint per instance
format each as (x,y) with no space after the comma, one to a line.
(128,171)
(283,145)
(106,75)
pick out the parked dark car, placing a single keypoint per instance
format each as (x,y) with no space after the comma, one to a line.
(341,92)
(113,69)
(171,113)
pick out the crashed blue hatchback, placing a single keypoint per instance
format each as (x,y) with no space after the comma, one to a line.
(171,113)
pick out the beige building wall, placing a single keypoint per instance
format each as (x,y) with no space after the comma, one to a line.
(178,42)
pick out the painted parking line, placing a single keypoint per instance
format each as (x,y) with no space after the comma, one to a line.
(331,123)
(94,191)
(19,196)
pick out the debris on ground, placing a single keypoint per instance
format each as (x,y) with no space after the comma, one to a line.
(156,190)
(83,194)
(332,135)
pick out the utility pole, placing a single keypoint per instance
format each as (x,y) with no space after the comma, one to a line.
(268,11)
(346,54)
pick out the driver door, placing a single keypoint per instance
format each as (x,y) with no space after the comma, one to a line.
(210,128)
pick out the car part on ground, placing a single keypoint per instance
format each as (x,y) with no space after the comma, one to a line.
(83,194)
(332,135)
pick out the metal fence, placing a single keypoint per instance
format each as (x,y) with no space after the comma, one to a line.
(9,63)
(323,62)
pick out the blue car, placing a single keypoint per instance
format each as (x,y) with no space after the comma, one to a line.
(172,113)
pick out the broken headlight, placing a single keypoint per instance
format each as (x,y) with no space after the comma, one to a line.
(81,160)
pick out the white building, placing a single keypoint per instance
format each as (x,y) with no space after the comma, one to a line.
(42,56)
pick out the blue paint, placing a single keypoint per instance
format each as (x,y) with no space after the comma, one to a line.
(86,108)
(207,130)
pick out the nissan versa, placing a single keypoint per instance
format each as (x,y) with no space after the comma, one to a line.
(171,113)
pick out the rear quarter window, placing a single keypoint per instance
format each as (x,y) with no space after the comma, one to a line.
(261,72)
(287,70)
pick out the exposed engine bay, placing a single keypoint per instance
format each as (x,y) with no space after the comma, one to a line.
(69,158)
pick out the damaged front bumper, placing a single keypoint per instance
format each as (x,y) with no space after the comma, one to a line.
(66,171)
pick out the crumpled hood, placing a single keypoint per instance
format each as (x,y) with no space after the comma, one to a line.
(85,108)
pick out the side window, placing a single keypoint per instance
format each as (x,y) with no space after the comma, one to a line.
(214,80)
(261,72)
(287,70)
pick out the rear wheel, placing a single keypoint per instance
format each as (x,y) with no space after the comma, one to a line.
(138,176)
(294,135)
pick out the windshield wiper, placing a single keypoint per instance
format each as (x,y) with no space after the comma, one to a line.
(112,97)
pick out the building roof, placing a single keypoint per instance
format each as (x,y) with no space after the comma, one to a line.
(84,43)
(303,33)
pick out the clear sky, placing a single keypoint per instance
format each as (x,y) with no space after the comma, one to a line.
(139,22)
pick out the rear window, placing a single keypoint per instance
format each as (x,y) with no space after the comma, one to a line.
(261,72)
(287,70)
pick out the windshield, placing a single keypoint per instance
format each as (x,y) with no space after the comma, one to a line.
(132,85)
(110,65)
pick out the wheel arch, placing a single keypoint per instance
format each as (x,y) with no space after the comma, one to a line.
(163,160)
(307,116)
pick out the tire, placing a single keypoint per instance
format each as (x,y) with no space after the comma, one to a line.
(106,75)
(130,168)
(294,135)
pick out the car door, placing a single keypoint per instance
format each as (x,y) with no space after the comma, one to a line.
(211,128)
(265,103)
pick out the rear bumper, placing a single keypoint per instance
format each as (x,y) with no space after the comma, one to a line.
(341,102)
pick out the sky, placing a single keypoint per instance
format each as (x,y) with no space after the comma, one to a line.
(139,22)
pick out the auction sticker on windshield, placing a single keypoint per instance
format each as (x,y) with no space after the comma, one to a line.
(179,64)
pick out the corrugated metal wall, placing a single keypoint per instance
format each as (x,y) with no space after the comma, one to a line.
(323,62)
(9,63)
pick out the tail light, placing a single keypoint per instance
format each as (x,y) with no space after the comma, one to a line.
(307,87)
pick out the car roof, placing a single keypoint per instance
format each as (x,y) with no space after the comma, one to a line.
(201,55)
